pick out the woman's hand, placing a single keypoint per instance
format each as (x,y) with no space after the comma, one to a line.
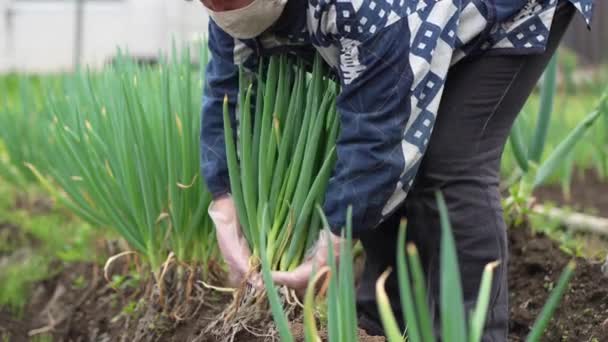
(230,239)
(317,258)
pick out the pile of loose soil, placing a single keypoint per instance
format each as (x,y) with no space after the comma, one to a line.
(69,312)
(588,194)
(534,268)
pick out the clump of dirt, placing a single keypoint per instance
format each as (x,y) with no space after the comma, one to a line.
(589,193)
(297,328)
(535,266)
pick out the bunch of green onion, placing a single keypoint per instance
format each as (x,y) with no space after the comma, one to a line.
(336,307)
(283,158)
(125,154)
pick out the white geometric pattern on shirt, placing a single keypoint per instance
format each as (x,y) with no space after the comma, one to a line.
(361,19)
(350,65)
(432,43)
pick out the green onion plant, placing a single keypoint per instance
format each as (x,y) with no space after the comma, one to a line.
(283,157)
(125,154)
(454,323)
(335,305)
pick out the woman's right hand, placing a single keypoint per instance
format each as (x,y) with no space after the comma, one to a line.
(232,243)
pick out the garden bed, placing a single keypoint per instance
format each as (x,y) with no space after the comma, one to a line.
(535,265)
(78,304)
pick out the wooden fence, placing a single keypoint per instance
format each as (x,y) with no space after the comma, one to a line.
(592,47)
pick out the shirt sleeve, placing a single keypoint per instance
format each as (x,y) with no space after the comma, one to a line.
(380,143)
(221,80)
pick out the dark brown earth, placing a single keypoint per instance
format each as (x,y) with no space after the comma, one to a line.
(94,313)
(589,194)
(536,264)
(65,309)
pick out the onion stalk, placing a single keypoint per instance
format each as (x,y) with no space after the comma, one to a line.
(283,157)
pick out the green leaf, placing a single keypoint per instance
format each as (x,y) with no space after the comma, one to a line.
(479,315)
(391,328)
(549,87)
(516,140)
(278,314)
(420,295)
(311,333)
(453,326)
(408,303)
(556,296)
(557,157)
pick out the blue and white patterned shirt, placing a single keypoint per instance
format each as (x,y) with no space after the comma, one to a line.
(392,58)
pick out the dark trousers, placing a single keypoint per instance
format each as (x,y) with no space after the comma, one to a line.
(482,98)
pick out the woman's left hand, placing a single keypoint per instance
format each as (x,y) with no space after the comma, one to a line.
(316,259)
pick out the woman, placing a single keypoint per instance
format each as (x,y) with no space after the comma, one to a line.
(429,91)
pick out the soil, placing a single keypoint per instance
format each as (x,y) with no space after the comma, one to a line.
(67,312)
(589,194)
(62,307)
(78,304)
(535,266)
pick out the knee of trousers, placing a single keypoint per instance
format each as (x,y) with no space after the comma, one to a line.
(476,218)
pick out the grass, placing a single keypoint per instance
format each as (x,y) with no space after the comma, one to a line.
(38,338)
(44,239)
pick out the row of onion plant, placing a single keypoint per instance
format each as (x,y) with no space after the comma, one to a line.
(529,146)
(123,152)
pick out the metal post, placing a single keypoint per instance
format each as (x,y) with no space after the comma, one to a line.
(8,37)
(78,33)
